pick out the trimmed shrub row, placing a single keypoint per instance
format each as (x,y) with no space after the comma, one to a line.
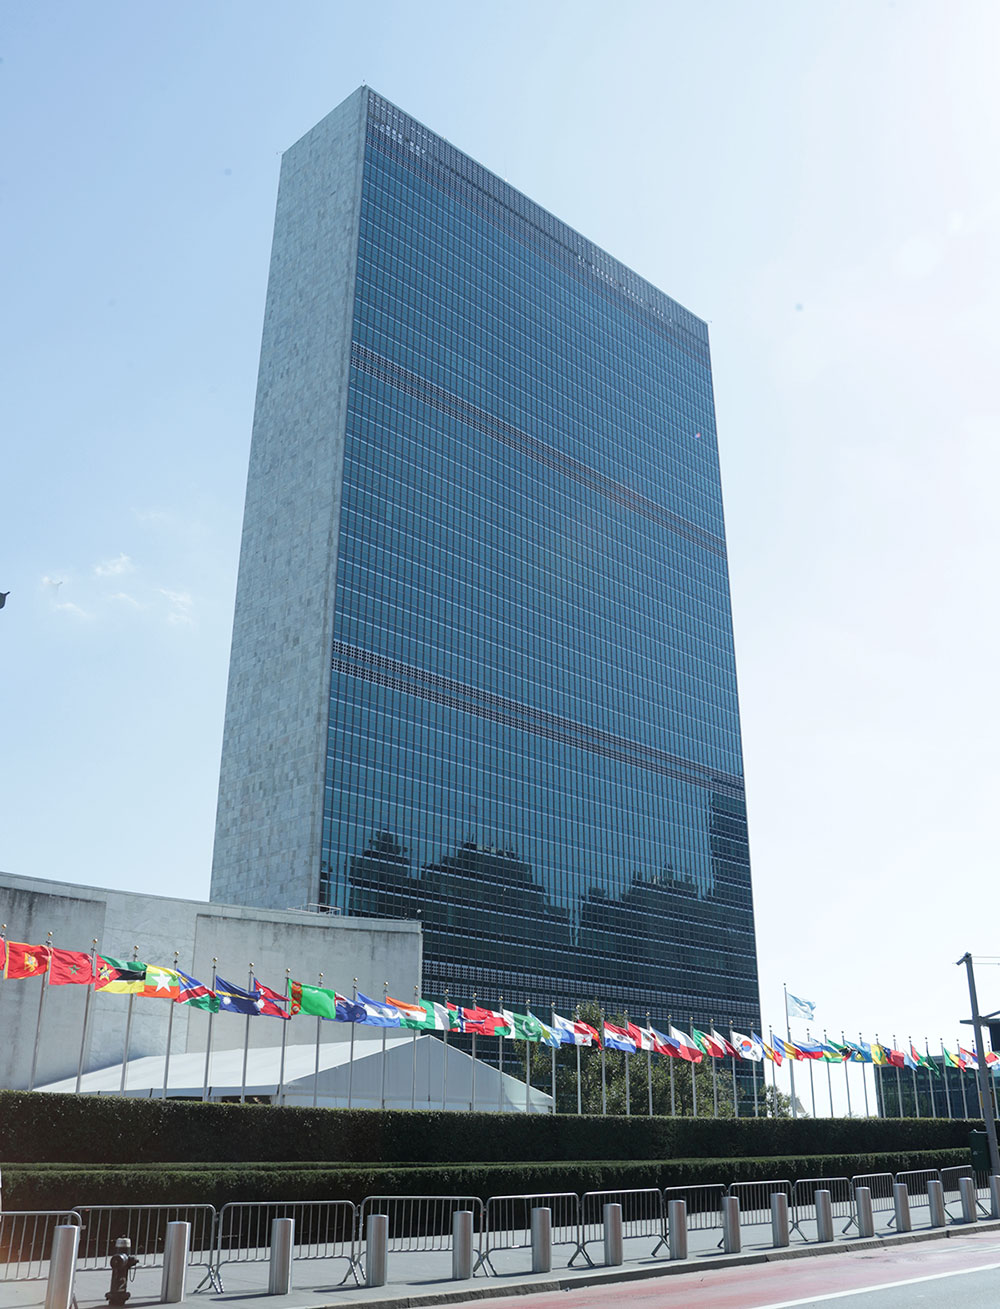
(90,1129)
(60,1188)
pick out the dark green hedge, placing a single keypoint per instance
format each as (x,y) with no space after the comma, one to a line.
(90,1129)
(28,1187)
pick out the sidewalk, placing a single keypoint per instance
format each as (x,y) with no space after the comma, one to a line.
(425,1279)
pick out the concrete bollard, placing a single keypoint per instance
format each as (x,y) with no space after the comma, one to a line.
(614,1251)
(863,1207)
(779,1219)
(461,1245)
(995,1196)
(62,1267)
(377,1250)
(279,1280)
(935,1203)
(824,1216)
(541,1240)
(175,1261)
(967,1189)
(677,1229)
(901,1204)
(730,1225)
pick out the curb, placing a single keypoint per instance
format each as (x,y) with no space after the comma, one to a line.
(494,1291)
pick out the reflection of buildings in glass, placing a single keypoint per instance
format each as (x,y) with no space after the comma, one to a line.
(483,666)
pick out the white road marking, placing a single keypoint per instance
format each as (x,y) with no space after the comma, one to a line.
(879,1286)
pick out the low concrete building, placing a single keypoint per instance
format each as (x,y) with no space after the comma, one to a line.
(375,951)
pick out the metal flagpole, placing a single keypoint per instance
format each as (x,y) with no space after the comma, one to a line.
(604,1072)
(944,1074)
(673,1097)
(715,1080)
(500,1041)
(413,1061)
(649,1068)
(965,1098)
(847,1080)
(756,1105)
(982,1068)
(579,1088)
(864,1075)
(899,1080)
(86,1011)
(930,1083)
(694,1092)
(444,1078)
(527,1066)
(128,1028)
(350,1066)
(316,1065)
(208,1039)
(41,1009)
(913,1071)
(284,1042)
(736,1103)
(385,997)
(812,1082)
(246,1043)
(829,1074)
(472,1097)
(628,1089)
(791,1062)
(553,1049)
(170,1032)
(774,1075)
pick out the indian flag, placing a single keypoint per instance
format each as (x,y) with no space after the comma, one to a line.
(424,1015)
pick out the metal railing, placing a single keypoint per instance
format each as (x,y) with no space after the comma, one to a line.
(508,1224)
(643,1214)
(145,1225)
(755,1199)
(26,1241)
(803,1207)
(880,1185)
(704,1205)
(324,1229)
(418,1223)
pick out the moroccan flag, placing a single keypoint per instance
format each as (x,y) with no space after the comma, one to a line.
(196,994)
(70,968)
(120,977)
(686,1048)
(618,1038)
(26,960)
(161,983)
(424,1016)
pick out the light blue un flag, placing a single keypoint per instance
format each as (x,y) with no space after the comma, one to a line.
(798,1008)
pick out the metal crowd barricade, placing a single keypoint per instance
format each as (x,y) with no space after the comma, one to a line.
(916,1181)
(324,1229)
(803,1205)
(508,1224)
(880,1185)
(26,1241)
(419,1223)
(704,1205)
(643,1214)
(755,1199)
(145,1225)
(950,1178)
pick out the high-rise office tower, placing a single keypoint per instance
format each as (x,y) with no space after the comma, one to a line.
(482,667)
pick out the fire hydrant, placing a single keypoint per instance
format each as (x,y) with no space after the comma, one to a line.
(123,1266)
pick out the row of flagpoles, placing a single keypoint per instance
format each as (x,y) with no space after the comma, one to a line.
(59,967)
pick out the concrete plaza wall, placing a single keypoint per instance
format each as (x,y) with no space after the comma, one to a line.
(373,950)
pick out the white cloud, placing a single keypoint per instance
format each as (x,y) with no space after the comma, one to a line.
(52,584)
(67,607)
(115,567)
(181,606)
(126,599)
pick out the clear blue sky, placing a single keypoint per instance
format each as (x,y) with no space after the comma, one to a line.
(818,181)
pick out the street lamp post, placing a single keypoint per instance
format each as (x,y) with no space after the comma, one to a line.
(982,1076)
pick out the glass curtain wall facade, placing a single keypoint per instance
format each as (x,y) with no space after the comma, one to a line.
(534,740)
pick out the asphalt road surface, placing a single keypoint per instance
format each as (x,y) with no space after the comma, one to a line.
(963,1271)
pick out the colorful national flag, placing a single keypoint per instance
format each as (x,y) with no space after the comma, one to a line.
(686,1048)
(120,976)
(642,1036)
(799,1008)
(523,1027)
(880,1055)
(377,1012)
(272,1004)
(785,1047)
(26,960)
(161,983)
(234,999)
(727,1046)
(194,993)
(969,1056)
(663,1045)
(617,1038)
(707,1045)
(571,1031)
(423,1016)
(3,954)
(895,1058)
(70,968)
(748,1047)
(810,1049)
(953,1060)
(485,1022)
(321,1002)
(770,1052)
